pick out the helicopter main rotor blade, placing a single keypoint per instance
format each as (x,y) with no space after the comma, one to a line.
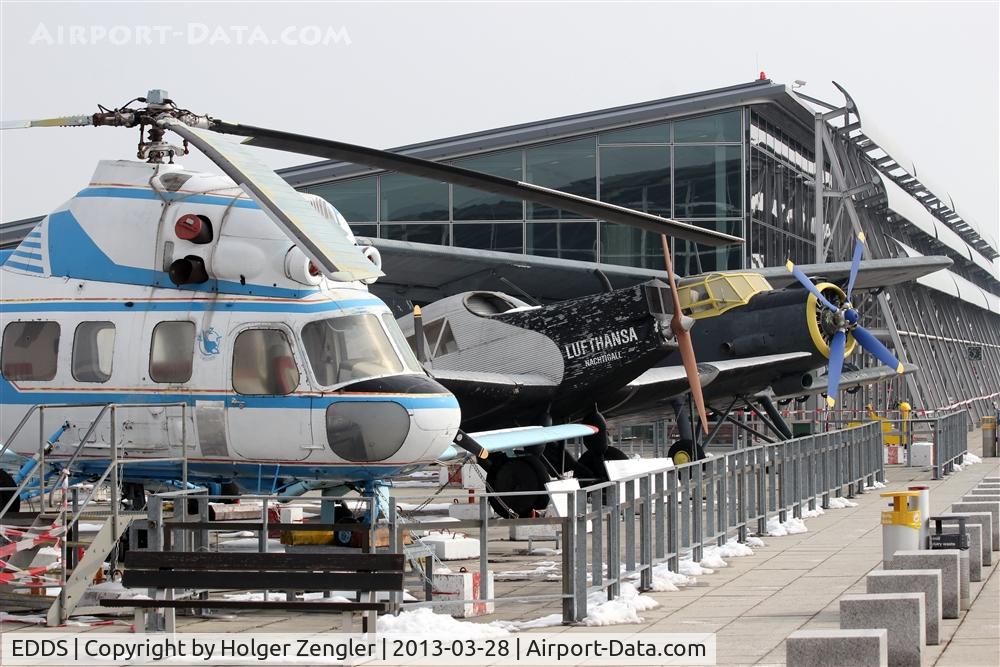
(684,342)
(405,164)
(62,121)
(322,240)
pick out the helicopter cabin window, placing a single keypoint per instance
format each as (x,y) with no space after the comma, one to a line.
(171,353)
(93,351)
(263,363)
(402,344)
(349,347)
(30,350)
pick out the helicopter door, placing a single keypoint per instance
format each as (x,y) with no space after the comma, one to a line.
(265,418)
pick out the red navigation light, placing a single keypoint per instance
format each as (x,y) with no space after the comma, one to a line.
(763,77)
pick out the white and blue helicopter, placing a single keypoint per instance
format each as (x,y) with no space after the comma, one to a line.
(241,299)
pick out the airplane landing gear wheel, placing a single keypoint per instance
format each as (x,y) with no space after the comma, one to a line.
(7,481)
(595,462)
(517,474)
(685,451)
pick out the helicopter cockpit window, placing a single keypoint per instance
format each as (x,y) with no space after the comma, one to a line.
(350,347)
(30,350)
(171,353)
(93,351)
(263,363)
(402,344)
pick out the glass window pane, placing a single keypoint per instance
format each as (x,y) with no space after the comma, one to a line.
(719,127)
(355,198)
(568,240)
(367,231)
(171,353)
(350,347)
(413,198)
(503,237)
(692,258)
(629,246)
(646,134)
(263,363)
(569,167)
(93,351)
(707,181)
(471,204)
(637,177)
(409,358)
(416,233)
(30,350)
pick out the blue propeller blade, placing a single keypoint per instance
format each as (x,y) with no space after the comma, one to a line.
(881,352)
(836,365)
(855,263)
(808,284)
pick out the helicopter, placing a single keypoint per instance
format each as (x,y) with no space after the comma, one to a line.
(239,299)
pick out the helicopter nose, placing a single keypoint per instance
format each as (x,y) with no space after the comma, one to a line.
(385,416)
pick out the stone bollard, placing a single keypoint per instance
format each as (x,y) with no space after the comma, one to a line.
(835,648)
(981,497)
(902,616)
(981,506)
(985,522)
(946,560)
(927,582)
(974,531)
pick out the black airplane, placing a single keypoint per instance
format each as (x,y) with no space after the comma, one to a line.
(613,355)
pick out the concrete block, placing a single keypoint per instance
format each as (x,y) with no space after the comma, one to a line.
(922,454)
(946,560)
(467,511)
(927,582)
(463,593)
(902,616)
(983,506)
(452,546)
(982,498)
(835,648)
(985,522)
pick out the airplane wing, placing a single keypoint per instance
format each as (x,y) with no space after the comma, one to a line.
(513,438)
(872,273)
(650,393)
(851,379)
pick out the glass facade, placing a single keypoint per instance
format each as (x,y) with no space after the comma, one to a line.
(691,169)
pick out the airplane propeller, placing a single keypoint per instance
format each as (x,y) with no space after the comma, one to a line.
(845,319)
(683,335)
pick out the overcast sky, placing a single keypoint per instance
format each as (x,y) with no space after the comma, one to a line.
(397,73)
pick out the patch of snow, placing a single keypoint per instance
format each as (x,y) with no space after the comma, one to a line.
(623,610)
(690,568)
(238,533)
(666,580)
(734,549)
(809,514)
(543,622)
(791,527)
(711,558)
(841,503)
(876,485)
(251,544)
(423,621)
(546,569)
(970,459)
(755,542)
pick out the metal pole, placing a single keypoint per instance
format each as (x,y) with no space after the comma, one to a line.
(820,127)
(115,500)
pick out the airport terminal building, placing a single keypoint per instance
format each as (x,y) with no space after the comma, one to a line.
(741,160)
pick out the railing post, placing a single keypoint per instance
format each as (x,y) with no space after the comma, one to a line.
(645,539)
(660,525)
(485,590)
(614,539)
(697,516)
(580,552)
(672,498)
(40,468)
(629,516)
(115,500)
(569,611)
(597,508)
(154,524)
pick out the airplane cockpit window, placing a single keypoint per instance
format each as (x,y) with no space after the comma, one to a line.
(439,337)
(402,344)
(93,351)
(718,292)
(171,352)
(349,347)
(263,363)
(30,350)
(488,303)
